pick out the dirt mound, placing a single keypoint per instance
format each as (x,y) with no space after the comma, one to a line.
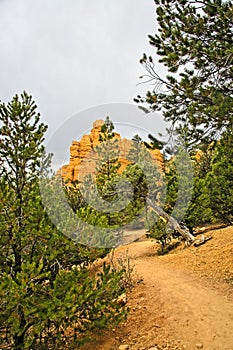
(184,302)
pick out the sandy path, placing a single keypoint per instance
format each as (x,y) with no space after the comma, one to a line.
(173,308)
(193,313)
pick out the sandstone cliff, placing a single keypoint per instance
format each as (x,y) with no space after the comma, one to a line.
(83,156)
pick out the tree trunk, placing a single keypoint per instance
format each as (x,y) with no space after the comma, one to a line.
(19,338)
(19,342)
(188,237)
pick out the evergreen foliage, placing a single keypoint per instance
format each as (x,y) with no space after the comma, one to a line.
(219,180)
(48,298)
(147,181)
(107,164)
(101,193)
(178,183)
(194,41)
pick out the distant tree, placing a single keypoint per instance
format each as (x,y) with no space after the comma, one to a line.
(107,130)
(74,195)
(48,298)
(144,172)
(108,163)
(219,180)
(138,173)
(107,176)
(194,41)
(178,180)
(145,176)
(100,212)
(212,192)
(134,151)
(199,211)
(162,235)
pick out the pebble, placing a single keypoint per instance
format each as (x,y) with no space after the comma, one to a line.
(122,299)
(124,347)
(199,346)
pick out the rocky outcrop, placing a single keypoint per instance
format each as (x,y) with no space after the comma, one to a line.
(83,155)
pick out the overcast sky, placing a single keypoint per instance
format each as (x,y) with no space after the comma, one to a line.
(73,55)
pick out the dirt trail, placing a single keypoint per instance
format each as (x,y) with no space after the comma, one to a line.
(194,313)
(179,310)
(173,308)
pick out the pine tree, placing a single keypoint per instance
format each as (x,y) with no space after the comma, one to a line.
(104,198)
(48,298)
(146,179)
(219,180)
(199,211)
(107,164)
(194,41)
(108,177)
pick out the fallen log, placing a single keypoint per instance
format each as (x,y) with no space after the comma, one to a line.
(184,232)
(201,240)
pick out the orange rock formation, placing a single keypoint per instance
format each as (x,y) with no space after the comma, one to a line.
(83,156)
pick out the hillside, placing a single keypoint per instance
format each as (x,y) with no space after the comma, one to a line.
(184,302)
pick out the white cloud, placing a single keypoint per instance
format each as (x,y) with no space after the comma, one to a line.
(71,55)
